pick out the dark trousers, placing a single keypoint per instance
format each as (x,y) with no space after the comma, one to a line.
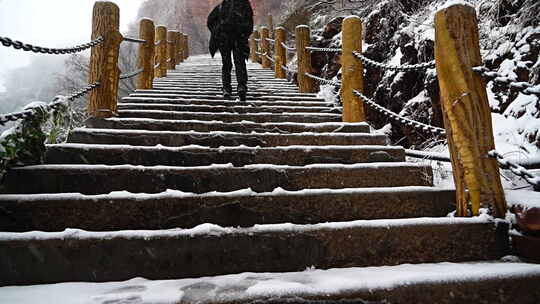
(233,47)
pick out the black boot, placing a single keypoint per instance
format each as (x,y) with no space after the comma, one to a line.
(242,95)
(227,94)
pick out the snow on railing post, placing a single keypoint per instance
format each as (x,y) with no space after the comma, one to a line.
(265,48)
(179,48)
(104,60)
(255,46)
(161,51)
(467,115)
(186,46)
(352,71)
(280,53)
(303,40)
(145,60)
(171,50)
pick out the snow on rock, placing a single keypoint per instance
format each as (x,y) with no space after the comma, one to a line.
(250,286)
(523,198)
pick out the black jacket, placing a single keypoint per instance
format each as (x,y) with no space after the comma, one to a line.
(232,20)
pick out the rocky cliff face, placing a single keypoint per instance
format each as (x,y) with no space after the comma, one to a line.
(189,16)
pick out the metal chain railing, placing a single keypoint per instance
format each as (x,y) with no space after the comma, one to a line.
(131,74)
(18,45)
(402,68)
(399,118)
(524,87)
(269,58)
(288,70)
(323,80)
(12,117)
(288,48)
(326,50)
(134,40)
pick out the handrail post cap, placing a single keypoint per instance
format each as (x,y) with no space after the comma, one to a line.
(352,17)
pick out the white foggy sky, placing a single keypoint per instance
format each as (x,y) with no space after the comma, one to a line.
(50,23)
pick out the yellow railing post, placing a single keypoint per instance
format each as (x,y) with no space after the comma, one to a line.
(161,51)
(186,46)
(255,46)
(104,60)
(179,47)
(280,53)
(171,50)
(352,70)
(265,48)
(467,115)
(303,40)
(146,54)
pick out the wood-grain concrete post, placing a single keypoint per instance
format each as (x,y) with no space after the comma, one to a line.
(161,51)
(186,46)
(104,60)
(467,115)
(179,47)
(145,59)
(255,58)
(303,40)
(280,55)
(265,48)
(171,50)
(352,70)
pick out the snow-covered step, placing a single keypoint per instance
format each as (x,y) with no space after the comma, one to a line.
(239,108)
(260,117)
(219,138)
(207,250)
(493,282)
(220,97)
(201,101)
(244,208)
(190,156)
(238,127)
(101,179)
(250,94)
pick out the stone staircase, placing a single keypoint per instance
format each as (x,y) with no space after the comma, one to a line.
(179,156)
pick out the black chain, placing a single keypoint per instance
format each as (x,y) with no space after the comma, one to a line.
(132,74)
(326,50)
(134,40)
(323,80)
(399,118)
(18,45)
(401,68)
(57,102)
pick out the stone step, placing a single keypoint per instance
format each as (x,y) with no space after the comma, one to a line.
(209,250)
(212,126)
(220,97)
(260,117)
(218,139)
(101,179)
(192,156)
(238,108)
(207,92)
(493,282)
(230,103)
(245,208)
